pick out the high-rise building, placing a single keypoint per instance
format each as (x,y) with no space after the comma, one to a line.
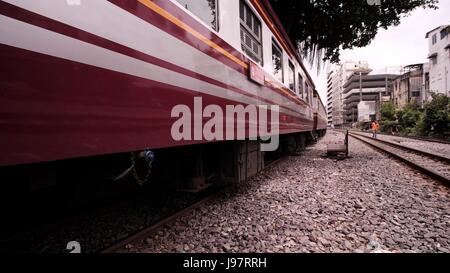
(336,79)
(439,55)
(363,95)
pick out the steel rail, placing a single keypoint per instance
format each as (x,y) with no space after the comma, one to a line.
(427,139)
(406,148)
(148,231)
(430,173)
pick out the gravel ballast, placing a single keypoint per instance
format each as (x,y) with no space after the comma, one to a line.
(368,203)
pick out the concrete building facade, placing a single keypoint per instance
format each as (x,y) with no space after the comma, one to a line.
(412,86)
(439,56)
(363,94)
(336,79)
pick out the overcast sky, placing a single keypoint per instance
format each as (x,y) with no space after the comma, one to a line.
(396,46)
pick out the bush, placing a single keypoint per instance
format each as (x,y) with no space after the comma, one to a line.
(436,117)
(388,126)
(388,123)
(388,112)
(408,118)
(363,126)
(421,129)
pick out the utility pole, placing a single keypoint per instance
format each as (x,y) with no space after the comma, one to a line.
(360,87)
(360,92)
(380,97)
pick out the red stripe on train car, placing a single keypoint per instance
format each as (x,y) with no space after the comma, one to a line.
(52,25)
(53,109)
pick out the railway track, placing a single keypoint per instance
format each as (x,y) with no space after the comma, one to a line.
(432,165)
(435,140)
(427,139)
(148,231)
(85,212)
(126,221)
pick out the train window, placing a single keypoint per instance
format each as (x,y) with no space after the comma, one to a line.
(291,76)
(300,85)
(205,10)
(306,92)
(277,62)
(250,33)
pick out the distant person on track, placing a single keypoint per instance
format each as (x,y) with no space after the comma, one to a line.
(375,128)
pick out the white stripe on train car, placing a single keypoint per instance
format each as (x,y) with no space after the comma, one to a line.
(104,19)
(26,36)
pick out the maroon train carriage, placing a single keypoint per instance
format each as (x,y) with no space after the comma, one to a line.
(84,83)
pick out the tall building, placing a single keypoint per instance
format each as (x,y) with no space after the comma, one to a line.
(363,94)
(439,55)
(330,97)
(412,86)
(336,79)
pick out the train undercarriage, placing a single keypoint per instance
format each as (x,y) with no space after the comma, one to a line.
(37,193)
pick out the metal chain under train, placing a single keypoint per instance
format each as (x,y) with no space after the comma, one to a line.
(149,157)
(146,178)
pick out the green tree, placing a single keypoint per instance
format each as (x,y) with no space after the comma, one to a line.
(388,121)
(436,119)
(320,28)
(387,111)
(408,118)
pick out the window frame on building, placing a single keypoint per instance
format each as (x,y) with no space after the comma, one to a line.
(434,39)
(250,33)
(434,60)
